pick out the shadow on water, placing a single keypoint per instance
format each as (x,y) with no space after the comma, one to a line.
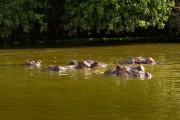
(88,42)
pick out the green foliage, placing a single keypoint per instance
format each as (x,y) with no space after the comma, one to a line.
(20,13)
(117,15)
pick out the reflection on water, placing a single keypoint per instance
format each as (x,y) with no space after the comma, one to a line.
(36,94)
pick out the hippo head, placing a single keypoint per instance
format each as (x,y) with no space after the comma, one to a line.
(73,62)
(150,60)
(53,68)
(94,64)
(38,62)
(120,70)
(148,75)
(138,60)
(82,65)
(57,68)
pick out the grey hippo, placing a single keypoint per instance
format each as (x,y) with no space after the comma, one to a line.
(139,60)
(85,64)
(133,71)
(33,63)
(59,68)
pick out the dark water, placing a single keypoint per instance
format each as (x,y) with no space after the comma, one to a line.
(35,94)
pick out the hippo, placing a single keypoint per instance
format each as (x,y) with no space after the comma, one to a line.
(33,63)
(118,70)
(139,71)
(60,68)
(79,65)
(135,71)
(96,64)
(139,60)
(87,64)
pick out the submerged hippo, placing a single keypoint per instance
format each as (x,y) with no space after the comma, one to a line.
(57,68)
(77,65)
(33,63)
(139,60)
(87,64)
(117,70)
(138,71)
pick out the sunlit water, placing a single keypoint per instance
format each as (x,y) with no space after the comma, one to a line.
(36,94)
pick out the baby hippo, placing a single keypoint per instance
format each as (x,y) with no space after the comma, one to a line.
(33,63)
(139,60)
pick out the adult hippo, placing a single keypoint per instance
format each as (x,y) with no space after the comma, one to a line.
(139,60)
(33,63)
(118,70)
(87,64)
(72,65)
(79,65)
(58,68)
(137,71)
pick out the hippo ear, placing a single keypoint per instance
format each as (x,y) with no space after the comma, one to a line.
(150,60)
(118,67)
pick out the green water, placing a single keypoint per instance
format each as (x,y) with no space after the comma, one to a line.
(35,94)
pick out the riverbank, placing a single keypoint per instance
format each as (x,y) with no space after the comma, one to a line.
(79,42)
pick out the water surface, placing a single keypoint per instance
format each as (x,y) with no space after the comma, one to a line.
(35,94)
